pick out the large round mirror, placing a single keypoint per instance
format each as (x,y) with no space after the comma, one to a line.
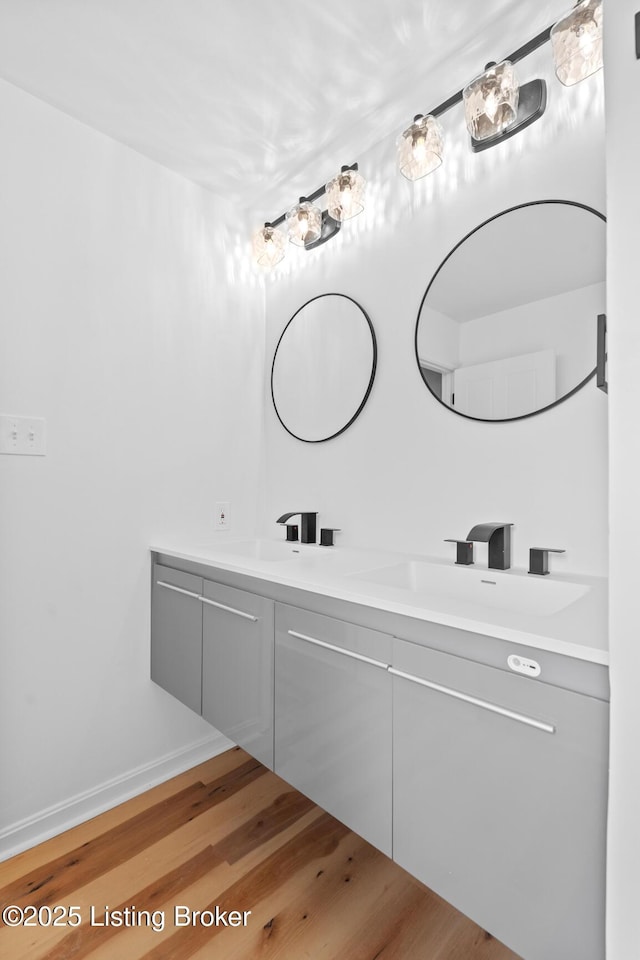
(508,324)
(323,367)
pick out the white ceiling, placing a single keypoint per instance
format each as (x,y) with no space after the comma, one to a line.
(529,254)
(256,99)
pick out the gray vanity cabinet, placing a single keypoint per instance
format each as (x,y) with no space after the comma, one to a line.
(237,667)
(500,800)
(333,718)
(176,634)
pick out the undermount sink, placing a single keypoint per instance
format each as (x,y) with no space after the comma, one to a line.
(444,586)
(270,550)
(303,558)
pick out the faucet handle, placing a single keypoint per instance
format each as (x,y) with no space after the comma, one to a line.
(464,551)
(326,535)
(539,559)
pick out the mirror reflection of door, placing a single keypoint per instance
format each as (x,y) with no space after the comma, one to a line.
(506,389)
(508,324)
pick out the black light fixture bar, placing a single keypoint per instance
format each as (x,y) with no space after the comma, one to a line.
(443,107)
(514,57)
(312,196)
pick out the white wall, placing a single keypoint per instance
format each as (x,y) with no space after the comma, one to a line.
(623,200)
(438,338)
(566,322)
(117,327)
(409,473)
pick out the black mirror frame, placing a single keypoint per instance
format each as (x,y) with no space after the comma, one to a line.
(374,363)
(534,413)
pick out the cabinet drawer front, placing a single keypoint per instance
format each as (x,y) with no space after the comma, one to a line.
(176,634)
(350,654)
(237,667)
(476,701)
(333,718)
(239,603)
(339,633)
(536,702)
(167,578)
(502,818)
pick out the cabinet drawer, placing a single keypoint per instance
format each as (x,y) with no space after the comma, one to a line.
(237,667)
(500,800)
(347,636)
(531,699)
(333,718)
(176,634)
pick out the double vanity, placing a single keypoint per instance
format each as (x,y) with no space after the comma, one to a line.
(452,712)
(454,716)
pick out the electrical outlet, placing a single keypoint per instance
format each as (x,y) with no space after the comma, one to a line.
(22,435)
(223,517)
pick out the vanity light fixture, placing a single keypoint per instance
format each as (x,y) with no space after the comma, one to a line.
(576,41)
(308,225)
(268,246)
(420,148)
(496,106)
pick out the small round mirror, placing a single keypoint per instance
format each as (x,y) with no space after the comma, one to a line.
(323,367)
(508,324)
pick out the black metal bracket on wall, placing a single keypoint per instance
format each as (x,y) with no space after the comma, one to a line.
(638,36)
(601,355)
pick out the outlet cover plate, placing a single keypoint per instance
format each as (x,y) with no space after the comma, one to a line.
(223,515)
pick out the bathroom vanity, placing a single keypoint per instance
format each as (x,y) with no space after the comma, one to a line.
(456,718)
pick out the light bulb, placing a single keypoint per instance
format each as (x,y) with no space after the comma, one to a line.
(345,195)
(304,223)
(491,101)
(576,41)
(268,246)
(420,148)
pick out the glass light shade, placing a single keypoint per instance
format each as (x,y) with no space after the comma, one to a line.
(345,195)
(420,148)
(576,41)
(268,246)
(491,101)
(304,222)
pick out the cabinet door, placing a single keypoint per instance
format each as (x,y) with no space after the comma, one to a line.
(333,718)
(176,635)
(500,800)
(237,667)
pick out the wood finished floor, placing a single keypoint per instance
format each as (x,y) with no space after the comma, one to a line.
(231,833)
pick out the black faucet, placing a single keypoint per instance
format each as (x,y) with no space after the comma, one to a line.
(307,525)
(498,536)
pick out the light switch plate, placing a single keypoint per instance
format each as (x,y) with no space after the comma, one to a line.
(24,436)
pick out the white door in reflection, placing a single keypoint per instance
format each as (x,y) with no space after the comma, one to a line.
(508,388)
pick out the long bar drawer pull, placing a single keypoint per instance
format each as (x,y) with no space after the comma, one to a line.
(223,606)
(484,704)
(345,653)
(170,586)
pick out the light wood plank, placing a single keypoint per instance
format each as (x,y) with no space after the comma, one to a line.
(57,846)
(229,833)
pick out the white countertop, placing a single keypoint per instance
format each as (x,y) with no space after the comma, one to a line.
(578,630)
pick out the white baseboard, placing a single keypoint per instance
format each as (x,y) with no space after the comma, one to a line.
(56,819)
